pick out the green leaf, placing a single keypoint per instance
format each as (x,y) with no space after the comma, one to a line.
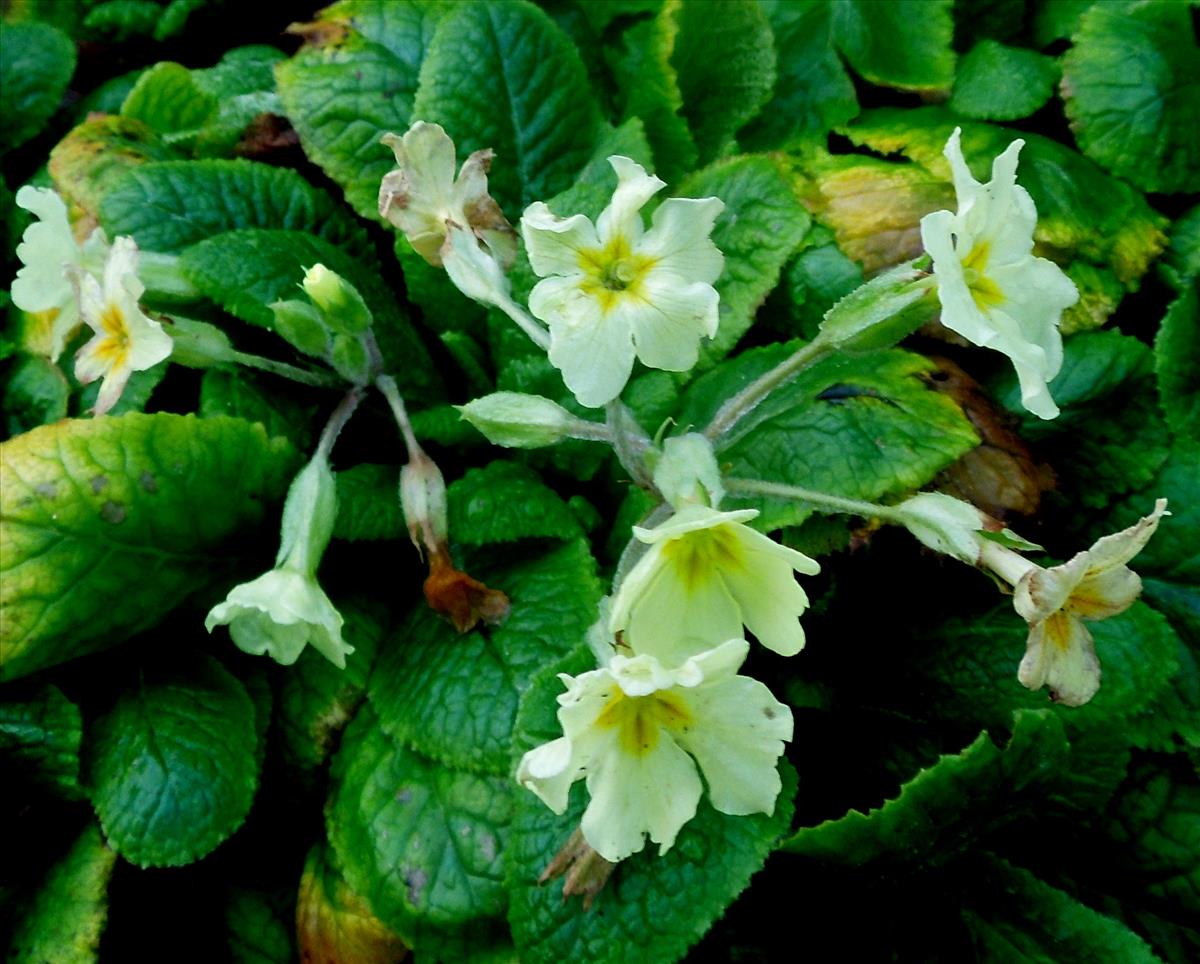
(903,43)
(1082,212)
(998,82)
(243,394)
(454,698)
(108,524)
(947,808)
(35,393)
(758,231)
(36,64)
(96,155)
(505,502)
(66,918)
(651,89)
(316,699)
(819,277)
(966,671)
(1057,20)
(813,93)
(1177,363)
(334,923)
(1180,263)
(369,503)
(1155,822)
(504,76)
(354,81)
(261,926)
(169,206)
(172,763)
(422,842)
(168,100)
(40,736)
(122,20)
(245,271)
(862,426)
(1111,437)
(660,905)
(725,64)
(1013,916)
(1131,88)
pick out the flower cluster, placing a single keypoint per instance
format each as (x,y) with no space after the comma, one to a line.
(66,284)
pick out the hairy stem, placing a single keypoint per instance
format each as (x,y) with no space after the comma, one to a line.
(823,499)
(337,421)
(296,374)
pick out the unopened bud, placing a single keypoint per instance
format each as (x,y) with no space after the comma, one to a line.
(687,472)
(423,499)
(519,421)
(197,344)
(882,312)
(302,327)
(473,269)
(350,358)
(342,305)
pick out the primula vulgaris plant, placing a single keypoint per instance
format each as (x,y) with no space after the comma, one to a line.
(540,715)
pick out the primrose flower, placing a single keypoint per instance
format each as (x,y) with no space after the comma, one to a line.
(705,575)
(285,609)
(125,340)
(1094,584)
(424,199)
(611,291)
(47,248)
(993,291)
(638,730)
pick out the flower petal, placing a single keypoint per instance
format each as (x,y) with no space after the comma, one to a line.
(593,350)
(768,596)
(1105,593)
(1060,654)
(737,737)
(554,244)
(1120,547)
(670,319)
(548,771)
(691,519)
(46,247)
(1042,592)
(653,793)
(623,216)
(679,239)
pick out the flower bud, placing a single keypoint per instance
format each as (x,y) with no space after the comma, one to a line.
(339,301)
(302,327)
(308,517)
(423,499)
(882,312)
(197,344)
(518,421)
(350,358)
(687,472)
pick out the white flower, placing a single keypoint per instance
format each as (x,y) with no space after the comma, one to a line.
(126,341)
(48,246)
(610,291)
(1094,584)
(280,613)
(993,291)
(285,609)
(423,195)
(705,575)
(637,731)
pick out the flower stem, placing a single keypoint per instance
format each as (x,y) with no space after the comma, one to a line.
(1004,562)
(337,421)
(302,375)
(525,322)
(736,408)
(628,441)
(387,385)
(823,499)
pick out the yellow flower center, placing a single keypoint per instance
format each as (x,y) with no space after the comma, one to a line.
(639,720)
(697,555)
(114,345)
(984,290)
(613,272)
(1058,630)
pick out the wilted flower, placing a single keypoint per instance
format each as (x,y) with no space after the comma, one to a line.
(611,291)
(638,730)
(705,575)
(1094,584)
(422,196)
(285,609)
(47,248)
(126,341)
(993,291)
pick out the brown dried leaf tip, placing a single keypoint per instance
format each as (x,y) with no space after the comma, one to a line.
(455,594)
(586,871)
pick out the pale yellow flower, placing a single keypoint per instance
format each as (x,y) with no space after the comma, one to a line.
(639,731)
